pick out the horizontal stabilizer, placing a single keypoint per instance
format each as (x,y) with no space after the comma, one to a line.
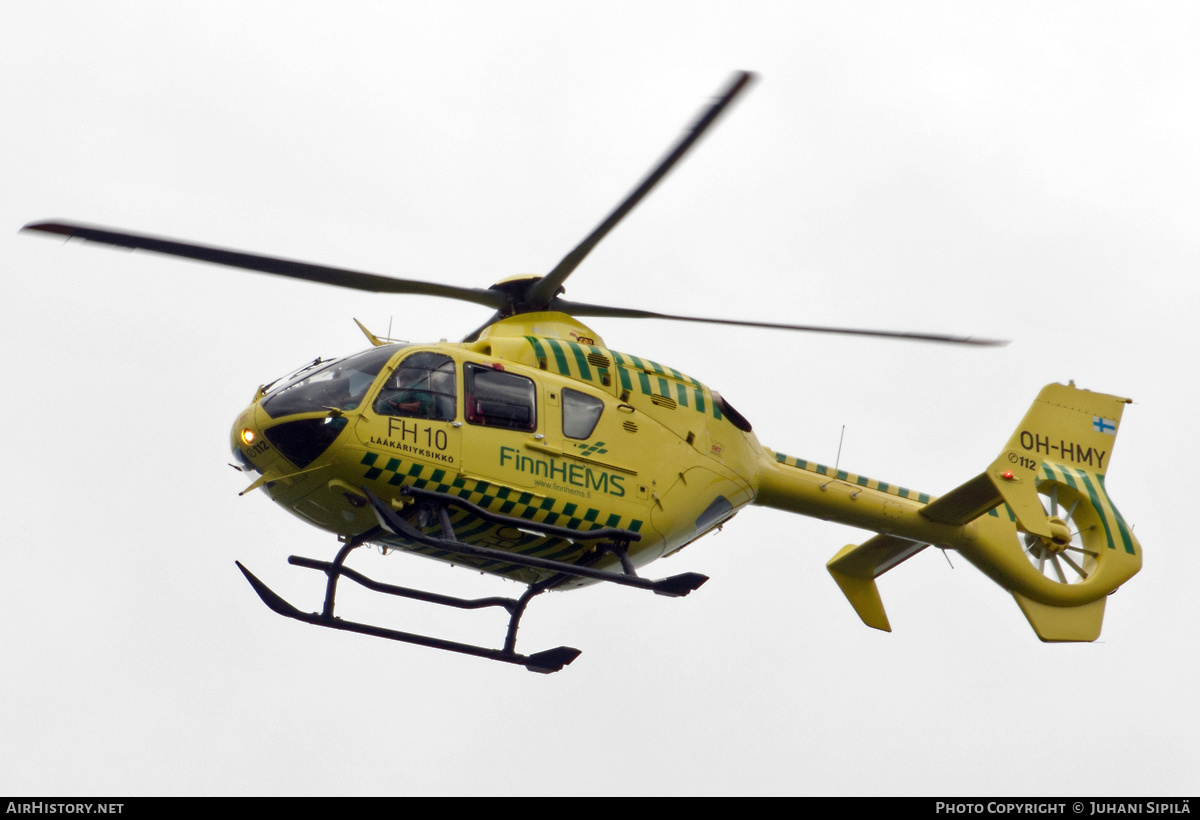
(964,503)
(855,569)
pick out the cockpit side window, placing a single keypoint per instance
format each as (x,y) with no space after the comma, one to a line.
(580,413)
(496,398)
(422,386)
(338,385)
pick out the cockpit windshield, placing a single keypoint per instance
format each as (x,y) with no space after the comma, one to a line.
(339,384)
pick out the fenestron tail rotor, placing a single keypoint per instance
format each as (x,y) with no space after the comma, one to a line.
(1065,557)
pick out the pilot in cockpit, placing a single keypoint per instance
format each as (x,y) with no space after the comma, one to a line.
(422,386)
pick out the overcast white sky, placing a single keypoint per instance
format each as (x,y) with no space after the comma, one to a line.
(1018,170)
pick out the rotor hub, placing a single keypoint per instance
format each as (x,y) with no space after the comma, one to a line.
(1059,540)
(1060,536)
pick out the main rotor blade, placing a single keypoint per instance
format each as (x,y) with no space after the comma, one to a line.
(581,309)
(544,290)
(266,264)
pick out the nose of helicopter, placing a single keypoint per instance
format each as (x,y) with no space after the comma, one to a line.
(261,443)
(246,440)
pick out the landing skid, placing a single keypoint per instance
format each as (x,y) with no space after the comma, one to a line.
(611,540)
(551,660)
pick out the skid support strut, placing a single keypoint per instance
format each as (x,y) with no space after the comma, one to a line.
(608,540)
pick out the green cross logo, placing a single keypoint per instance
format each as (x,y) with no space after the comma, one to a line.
(589,449)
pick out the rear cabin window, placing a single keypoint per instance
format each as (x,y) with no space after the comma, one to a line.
(496,398)
(580,413)
(422,387)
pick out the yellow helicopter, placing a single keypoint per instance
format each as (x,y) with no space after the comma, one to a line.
(533,451)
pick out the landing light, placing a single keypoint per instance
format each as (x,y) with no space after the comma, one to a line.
(247,436)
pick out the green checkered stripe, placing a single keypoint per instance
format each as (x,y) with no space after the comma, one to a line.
(646,377)
(851,478)
(396,472)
